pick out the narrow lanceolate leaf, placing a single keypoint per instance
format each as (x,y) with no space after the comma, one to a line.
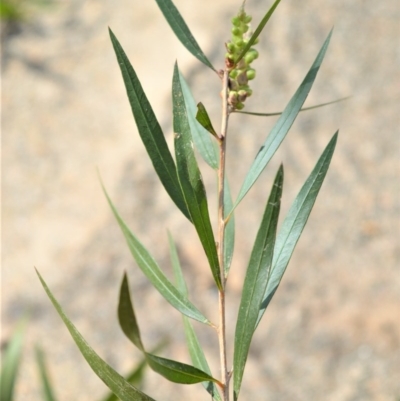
(195,350)
(149,129)
(181,30)
(47,388)
(126,315)
(203,118)
(256,281)
(10,363)
(258,30)
(178,372)
(153,272)
(229,238)
(117,384)
(283,125)
(190,178)
(294,223)
(201,137)
(278,113)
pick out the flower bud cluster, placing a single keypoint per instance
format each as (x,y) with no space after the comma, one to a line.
(240,73)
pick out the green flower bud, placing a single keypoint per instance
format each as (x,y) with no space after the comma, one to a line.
(229,56)
(251,73)
(245,28)
(237,31)
(255,51)
(247,18)
(248,58)
(230,47)
(239,106)
(236,21)
(238,42)
(248,91)
(234,73)
(251,55)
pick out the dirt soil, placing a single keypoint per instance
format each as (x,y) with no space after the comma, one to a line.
(332,331)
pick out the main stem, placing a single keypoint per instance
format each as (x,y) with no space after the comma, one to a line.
(221,235)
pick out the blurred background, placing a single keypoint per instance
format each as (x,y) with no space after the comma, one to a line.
(332,331)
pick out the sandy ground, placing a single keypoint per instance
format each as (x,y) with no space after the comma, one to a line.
(332,332)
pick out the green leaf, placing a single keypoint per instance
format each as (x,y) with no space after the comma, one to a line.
(229,238)
(178,372)
(256,281)
(149,129)
(126,315)
(48,392)
(278,113)
(201,138)
(208,151)
(10,363)
(283,125)
(190,178)
(294,223)
(152,271)
(172,370)
(196,352)
(203,118)
(257,32)
(181,30)
(124,390)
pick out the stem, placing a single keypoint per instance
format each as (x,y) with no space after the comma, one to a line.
(221,236)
